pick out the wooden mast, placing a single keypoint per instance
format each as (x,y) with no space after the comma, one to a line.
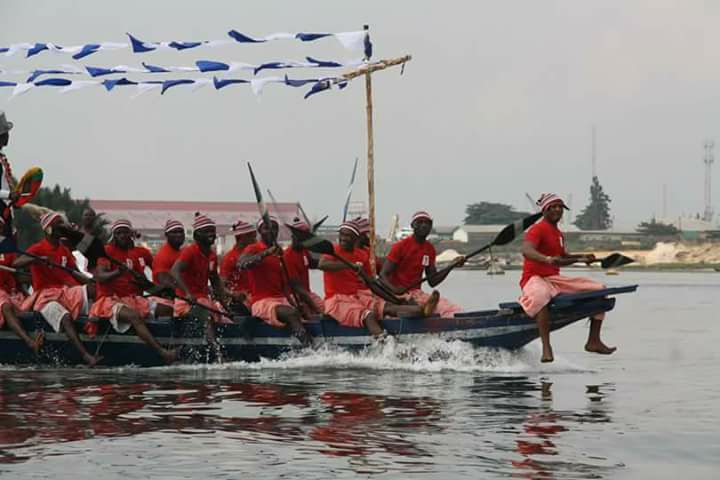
(370,161)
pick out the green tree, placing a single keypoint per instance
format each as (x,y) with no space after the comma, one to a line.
(55,198)
(596,216)
(489,213)
(655,228)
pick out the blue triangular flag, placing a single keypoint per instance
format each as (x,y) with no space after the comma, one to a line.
(224,82)
(37,48)
(154,68)
(88,49)
(309,37)
(184,45)
(210,66)
(138,45)
(242,38)
(173,83)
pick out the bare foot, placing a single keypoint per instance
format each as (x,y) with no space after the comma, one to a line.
(169,356)
(431,304)
(38,341)
(547,355)
(599,347)
(92,360)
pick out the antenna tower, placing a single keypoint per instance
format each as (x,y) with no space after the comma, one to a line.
(709,159)
(594,157)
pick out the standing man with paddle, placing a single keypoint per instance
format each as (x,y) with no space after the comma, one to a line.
(60,296)
(409,258)
(544,252)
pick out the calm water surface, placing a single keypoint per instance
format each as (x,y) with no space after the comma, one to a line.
(435,410)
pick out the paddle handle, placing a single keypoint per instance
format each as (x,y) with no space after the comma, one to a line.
(50,262)
(386,294)
(446,269)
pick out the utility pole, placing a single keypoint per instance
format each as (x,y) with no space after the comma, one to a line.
(594,157)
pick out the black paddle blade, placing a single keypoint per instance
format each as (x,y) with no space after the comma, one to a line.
(91,247)
(312,242)
(319,223)
(615,260)
(258,197)
(509,233)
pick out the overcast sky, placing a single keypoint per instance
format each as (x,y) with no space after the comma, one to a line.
(499,100)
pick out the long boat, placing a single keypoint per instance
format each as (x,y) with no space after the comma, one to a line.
(249,339)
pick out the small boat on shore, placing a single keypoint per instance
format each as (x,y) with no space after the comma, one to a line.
(249,339)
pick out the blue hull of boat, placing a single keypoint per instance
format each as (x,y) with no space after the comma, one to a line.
(249,339)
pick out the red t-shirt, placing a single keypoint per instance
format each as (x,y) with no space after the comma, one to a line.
(43,275)
(411,259)
(298,265)
(236,280)
(346,281)
(197,269)
(122,286)
(266,278)
(7,279)
(548,240)
(164,260)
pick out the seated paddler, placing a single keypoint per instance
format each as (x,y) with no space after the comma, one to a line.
(162,263)
(194,270)
(60,292)
(412,257)
(274,299)
(119,293)
(236,280)
(12,298)
(299,261)
(544,251)
(348,298)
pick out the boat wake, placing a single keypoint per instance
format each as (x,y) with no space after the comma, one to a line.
(427,355)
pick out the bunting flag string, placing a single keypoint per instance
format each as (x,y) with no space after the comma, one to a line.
(201,66)
(358,41)
(143,86)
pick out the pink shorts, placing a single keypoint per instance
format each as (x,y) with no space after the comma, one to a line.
(351,310)
(54,303)
(15,299)
(181,308)
(103,307)
(445,308)
(318,301)
(538,291)
(266,310)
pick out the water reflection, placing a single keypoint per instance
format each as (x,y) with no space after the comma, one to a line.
(507,426)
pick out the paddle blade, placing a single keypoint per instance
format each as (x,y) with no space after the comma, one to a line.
(28,186)
(312,242)
(319,223)
(615,260)
(258,196)
(509,233)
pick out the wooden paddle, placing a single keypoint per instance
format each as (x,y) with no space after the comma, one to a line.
(506,235)
(266,219)
(322,246)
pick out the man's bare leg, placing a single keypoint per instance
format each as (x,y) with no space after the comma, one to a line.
(594,344)
(163,310)
(425,310)
(373,325)
(36,343)
(130,316)
(291,317)
(543,323)
(71,333)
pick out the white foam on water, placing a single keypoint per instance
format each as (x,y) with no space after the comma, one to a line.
(427,355)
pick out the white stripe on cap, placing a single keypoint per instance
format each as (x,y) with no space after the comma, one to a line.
(420,214)
(202,221)
(273,219)
(350,226)
(242,227)
(173,224)
(120,223)
(48,219)
(546,199)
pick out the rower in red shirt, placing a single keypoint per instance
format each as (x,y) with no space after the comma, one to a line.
(58,295)
(299,262)
(195,268)
(162,263)
(12,299)
(544,252)
(363,226)
(348,299)
(119,293)
(410,258)
(237,281)
(268,285)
